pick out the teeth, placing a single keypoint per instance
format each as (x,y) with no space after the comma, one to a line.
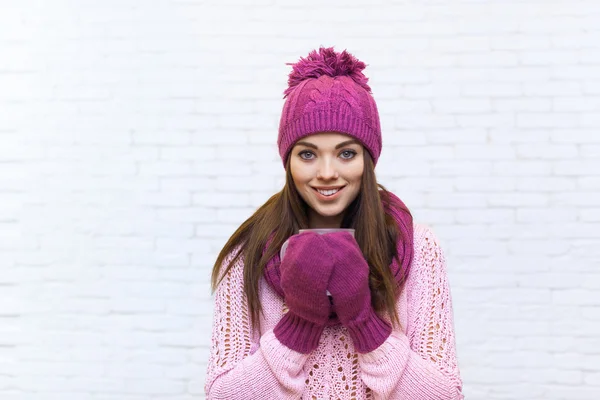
(328,192)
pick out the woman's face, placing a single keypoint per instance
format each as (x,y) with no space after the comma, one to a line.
(327,170)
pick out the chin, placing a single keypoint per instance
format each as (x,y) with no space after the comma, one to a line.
(328,212)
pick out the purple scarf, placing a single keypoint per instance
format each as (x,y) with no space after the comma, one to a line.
(404,247)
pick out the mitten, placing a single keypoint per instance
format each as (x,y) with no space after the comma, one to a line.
(349,287)
(305,271)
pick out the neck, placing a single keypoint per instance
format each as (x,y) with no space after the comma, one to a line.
(316,221)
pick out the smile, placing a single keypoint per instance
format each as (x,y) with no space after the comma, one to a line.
(328,194)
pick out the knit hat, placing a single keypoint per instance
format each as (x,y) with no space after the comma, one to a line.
(327,92)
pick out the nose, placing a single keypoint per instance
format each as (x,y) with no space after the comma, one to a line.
(327,169)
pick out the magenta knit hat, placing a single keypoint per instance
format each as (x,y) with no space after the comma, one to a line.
(327,92)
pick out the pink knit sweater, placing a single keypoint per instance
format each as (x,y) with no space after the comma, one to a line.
(417,362)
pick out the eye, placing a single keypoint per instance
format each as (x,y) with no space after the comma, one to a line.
(349,154)
(304,152)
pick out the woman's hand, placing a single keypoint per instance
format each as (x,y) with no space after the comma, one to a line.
(349,288)
(305,272)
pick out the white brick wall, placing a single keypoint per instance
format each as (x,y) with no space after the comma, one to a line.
(136,136)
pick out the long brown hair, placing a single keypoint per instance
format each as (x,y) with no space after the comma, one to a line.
(286,212)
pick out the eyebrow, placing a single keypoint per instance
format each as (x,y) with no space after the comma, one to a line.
(347,142)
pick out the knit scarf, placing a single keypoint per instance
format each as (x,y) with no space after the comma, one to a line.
(404,246)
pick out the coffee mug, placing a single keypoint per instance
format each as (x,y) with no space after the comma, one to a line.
(320,231)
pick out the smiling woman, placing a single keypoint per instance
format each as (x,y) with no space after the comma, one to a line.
(387,331)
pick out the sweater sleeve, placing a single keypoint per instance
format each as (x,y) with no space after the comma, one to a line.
(421,363)
(241,365)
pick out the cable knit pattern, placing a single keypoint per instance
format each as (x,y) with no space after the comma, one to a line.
(330,94)
(414,363)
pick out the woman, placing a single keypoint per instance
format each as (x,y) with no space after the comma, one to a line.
(338,316)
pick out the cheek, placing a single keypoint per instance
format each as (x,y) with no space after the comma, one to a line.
(300,178)
(356,173)
(300,173)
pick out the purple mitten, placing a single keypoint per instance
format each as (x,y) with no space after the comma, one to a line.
(349,287)
(305,272)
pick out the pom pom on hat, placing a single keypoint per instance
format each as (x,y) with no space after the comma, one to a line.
(327,62)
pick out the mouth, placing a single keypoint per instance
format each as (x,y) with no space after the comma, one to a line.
(328,194)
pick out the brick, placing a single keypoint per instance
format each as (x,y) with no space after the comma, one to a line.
(574,297)
(589,215)
(491,89)
(577,168)
(487,215)
(461,105)
(484,184)
(532,215)
(485,152)
(531,104)
(462,168)
(547,151)
(574,136)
